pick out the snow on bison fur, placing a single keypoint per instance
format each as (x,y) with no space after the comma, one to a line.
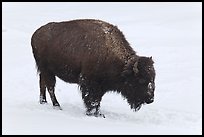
(95,55)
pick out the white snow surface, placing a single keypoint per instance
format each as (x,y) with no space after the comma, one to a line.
(169,32)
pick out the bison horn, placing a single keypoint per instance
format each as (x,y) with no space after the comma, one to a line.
(135,69)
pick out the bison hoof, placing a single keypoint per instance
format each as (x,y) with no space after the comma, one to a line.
(57,107)
(43,101)
(95,114)
(101,115)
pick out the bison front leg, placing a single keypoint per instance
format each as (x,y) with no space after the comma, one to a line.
(92,102)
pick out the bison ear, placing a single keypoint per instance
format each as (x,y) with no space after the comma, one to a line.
(135,67)
(151,59)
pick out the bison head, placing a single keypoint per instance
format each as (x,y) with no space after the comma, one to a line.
(139,82)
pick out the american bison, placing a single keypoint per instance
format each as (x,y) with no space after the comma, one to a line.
(95,55)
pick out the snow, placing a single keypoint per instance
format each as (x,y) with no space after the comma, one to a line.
(169,32)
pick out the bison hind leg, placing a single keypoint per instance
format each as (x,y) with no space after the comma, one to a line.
(42,90)
(47,80)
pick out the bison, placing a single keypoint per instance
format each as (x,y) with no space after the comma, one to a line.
(95,55)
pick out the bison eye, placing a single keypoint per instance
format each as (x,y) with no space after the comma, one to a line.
(142,81)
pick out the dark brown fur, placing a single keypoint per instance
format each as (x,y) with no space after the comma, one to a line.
(95,55)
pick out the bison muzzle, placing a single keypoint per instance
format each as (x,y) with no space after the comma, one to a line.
(95,55)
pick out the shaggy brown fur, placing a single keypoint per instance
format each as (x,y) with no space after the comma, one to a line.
(95,55)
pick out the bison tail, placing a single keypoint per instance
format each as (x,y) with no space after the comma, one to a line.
(37,59)
(37,63)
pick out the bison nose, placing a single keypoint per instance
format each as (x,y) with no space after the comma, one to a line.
(150,100)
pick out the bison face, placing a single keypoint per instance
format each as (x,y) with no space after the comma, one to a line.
(147,88)
(140,84)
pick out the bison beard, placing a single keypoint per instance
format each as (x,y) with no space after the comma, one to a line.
(95,55)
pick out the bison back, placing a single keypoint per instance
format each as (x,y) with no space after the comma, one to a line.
(88,47)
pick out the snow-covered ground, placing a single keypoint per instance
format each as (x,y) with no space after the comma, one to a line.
(170,32)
